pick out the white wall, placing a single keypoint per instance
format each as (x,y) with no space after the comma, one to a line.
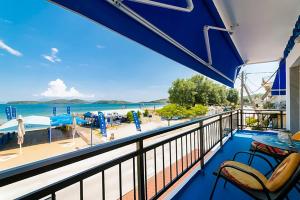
(290,61)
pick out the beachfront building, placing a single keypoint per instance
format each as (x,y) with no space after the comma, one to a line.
(215,38)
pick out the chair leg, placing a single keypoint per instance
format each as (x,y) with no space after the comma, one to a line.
(214,187)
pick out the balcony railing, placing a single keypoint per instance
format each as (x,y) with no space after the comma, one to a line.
(145,166)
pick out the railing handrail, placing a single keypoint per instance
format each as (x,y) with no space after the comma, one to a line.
(38,167)
(275,110)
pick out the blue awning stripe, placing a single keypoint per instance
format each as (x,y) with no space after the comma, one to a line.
(177,35)
(279,84)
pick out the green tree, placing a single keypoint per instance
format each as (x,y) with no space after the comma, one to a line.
(172,110)
(233,96)
(182,92)
(202,85)
(197,90)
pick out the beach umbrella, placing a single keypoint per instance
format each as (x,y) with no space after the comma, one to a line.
(21,131)
(74,124)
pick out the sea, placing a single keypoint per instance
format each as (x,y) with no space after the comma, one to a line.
(47,109)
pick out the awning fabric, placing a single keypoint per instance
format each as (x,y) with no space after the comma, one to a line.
(279,84)
(176,34)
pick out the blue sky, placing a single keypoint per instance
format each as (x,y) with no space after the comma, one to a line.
(49,52)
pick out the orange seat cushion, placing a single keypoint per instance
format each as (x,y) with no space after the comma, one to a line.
(268,149)
(296,136)
(283,172)
(242,178)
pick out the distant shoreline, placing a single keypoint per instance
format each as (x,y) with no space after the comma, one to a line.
(47,109)
(80,101)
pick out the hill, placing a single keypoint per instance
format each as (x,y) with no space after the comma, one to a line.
(161,101)
(56,101)
(111,102)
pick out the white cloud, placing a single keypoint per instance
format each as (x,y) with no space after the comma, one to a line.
(58,88)
(53,56)
(9,49)
(99,46)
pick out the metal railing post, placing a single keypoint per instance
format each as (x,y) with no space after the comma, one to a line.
(281,119)
(201,145)
(221,131)
(140,170)
(237,119)
(231,126)
(241,113)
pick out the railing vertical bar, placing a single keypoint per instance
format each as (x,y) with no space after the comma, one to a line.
(231,125)
(198,143)
(170,150)
(163,159)
(140,170)
(155,171)
(120,180)
(191,151)
(195,146)
(146,176)
(221,131)
(176,157)
(181,154)
(281,119)
(241,112)
(201,145)
(81,189)
(103,185)
(134,188)
(186,152)
(53,196)
(237,119)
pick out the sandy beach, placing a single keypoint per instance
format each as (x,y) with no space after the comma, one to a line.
(37,147)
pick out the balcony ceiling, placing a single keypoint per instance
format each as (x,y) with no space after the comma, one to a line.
(264,27)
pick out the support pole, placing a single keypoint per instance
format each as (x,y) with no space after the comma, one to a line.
(242,98)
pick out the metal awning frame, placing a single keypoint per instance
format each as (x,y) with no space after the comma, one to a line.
(125,9)
(189,7)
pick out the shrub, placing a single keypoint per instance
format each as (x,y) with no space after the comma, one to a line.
(130,116)
(139,114)
(251,121)
(198,110)
(146,113)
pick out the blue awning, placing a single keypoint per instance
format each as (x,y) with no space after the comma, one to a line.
(279,84)
(170,30)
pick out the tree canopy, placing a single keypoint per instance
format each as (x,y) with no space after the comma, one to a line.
(200,90)
(172,111)
(233,96)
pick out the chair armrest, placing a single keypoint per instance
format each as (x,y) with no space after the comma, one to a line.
(255,155)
